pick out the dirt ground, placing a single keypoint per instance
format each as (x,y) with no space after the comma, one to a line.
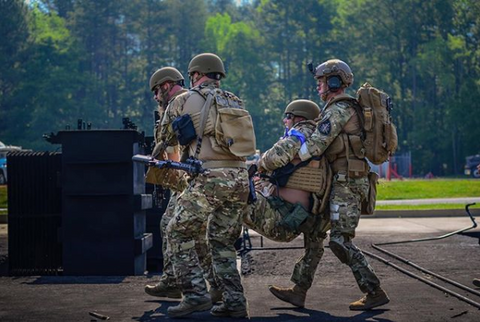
(63,298)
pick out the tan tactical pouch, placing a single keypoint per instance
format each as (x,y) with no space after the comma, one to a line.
(357,167)
(312,177)
(234,130)
(167,178)
(368,205)
(391,137)
(320,200)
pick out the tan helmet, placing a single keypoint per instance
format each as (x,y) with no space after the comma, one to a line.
(303,108)
(335,67)
(165,74)
(206,63)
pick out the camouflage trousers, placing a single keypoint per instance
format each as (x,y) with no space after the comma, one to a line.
(270,217)
(211,208)
(345,208)
(204,255)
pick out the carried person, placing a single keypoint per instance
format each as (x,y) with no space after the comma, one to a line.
(291,197)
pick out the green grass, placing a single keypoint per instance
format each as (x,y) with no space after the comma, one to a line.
(3,196)
(423,189)
(397,189)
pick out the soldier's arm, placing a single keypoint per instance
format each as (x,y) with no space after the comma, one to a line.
(328,128)
(167,138)
(285,150)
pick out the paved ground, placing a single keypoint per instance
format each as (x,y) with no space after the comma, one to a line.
(122,298)
(428,201)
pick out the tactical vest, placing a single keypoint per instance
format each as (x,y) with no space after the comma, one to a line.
(315,177)
(346,154)
(167,178)
(158,128)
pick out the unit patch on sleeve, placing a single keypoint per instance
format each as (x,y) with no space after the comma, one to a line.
(324,127)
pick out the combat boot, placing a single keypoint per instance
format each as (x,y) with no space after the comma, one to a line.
(216,295)
(476,282)
(189,306)
(163,290)
(294,295)
(373,299)
(222,311)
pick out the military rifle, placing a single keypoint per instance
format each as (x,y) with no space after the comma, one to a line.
(191,166)
(252,195)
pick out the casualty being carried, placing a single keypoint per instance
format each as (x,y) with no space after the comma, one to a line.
(291,195)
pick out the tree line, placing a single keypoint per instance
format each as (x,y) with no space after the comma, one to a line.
(63,60)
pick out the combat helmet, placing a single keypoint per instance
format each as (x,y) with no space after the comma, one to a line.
(166,74)
(208,64)
(334,67)
(303,108)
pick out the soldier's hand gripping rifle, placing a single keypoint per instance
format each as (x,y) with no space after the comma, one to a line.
(190,166)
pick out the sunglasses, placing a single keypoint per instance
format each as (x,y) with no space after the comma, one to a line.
(289,116)
(156,89)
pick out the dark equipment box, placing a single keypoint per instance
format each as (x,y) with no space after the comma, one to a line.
(103,203)
(84,212)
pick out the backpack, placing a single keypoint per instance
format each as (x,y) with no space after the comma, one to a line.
(233,125)
(380,141)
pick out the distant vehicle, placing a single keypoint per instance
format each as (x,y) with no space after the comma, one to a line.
(4,149)
(471,166)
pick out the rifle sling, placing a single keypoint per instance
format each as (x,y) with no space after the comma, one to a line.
(203,122)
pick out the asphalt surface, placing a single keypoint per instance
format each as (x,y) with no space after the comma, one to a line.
(62,298)
(429,201)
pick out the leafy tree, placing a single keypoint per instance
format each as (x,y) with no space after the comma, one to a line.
(14,35)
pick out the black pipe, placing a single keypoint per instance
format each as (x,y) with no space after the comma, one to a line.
(438,237)
(452,282)
(468,289)
(439,287)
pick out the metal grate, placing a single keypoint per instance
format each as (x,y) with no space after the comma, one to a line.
(34,213)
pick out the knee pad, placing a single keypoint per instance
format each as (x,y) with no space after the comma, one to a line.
(340,249)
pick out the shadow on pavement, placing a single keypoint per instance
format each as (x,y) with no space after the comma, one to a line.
(473,234)
(309,315)
(314,315)
(76,280)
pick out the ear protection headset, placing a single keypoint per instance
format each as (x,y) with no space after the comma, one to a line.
(334,83)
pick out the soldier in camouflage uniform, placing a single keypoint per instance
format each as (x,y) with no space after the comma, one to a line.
(282,213)
(167,83)
(216,197)
(339,137)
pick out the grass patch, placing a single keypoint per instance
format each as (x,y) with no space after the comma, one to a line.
(423,189)
(425,207)
(3,196)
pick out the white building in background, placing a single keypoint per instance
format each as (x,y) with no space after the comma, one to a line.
(4,149)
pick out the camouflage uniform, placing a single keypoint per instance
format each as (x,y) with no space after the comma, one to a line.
(269,216)
(211,207)
(350,186)
(168,276)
